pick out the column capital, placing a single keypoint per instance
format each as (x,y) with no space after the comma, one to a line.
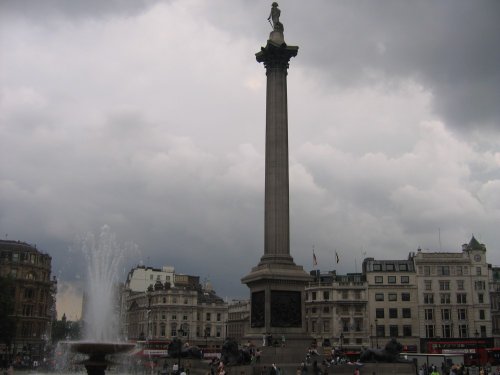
(276,56)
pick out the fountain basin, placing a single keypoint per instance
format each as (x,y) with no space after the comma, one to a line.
(97,363)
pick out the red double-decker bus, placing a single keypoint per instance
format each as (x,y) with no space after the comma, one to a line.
(476,351)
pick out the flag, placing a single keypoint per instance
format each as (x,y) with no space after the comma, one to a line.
(315,261)
(337,257)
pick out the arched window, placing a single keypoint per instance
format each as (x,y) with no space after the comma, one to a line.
(173,329)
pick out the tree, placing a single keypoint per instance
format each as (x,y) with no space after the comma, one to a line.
(7,305)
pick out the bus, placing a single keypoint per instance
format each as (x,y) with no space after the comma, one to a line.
(474,350)
(493,355)
(151,348)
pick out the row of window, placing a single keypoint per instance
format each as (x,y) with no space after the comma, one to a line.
(445,298)
(392,313)
(429,314)
(208,317)
(446,285)
(393,330)
(392,279)
(344,294)
(392,297)
(447,331)
(390,267)
(444,270)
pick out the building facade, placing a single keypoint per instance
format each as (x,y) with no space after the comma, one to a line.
(34,296)
(429,302)
(336,310)
(189,311)
(454,298)
(392,300)
(238,317)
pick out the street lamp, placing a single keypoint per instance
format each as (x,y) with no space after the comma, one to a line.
(371,335)
(341,340)
(179,351)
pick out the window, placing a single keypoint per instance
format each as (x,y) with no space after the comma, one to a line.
(162,330)
(429,298)
(460,285)
(389,267)
(393,297)
(446,330)
(379,296)
(444,285)
(462,314)
(428,284)
(391,279)
(403,267)
(480,285)
(218,317)
(326,295)
(174,317)
(345,324)
(357,294)
(358,324)
(345,294)
(380,331)
(406,313)
(218,331)
(379,313)
(326,325)
(326,309)
(459,270)
(462,330)
(405,297)
(393,313)
(445,298)
(461,298)
(379,279)
(480,298)
(173,329)
(151,277)
(314,296)
(314,310)
(429,330)
(377,267)
(427,270)
(405,279)
(443,270)
(185,301)
(481,315)
(407,330)
(429,314)
(393,331)
(208,317)
(445,314)
(478,271)
(164,300)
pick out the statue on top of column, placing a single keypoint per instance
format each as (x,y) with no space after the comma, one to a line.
(274,16)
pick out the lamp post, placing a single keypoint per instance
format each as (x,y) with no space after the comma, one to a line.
(341,341)
(179,352)
(371,335)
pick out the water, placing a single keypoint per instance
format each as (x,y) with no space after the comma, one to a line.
(104,256)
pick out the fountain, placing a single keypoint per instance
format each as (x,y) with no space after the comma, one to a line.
(101,337)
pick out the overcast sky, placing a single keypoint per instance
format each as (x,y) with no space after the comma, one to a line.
(149,116)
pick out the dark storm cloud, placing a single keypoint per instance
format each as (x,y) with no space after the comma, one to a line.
(451,47)
(47,10)
(150,117)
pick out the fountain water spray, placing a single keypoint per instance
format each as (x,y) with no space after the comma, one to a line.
(104,257)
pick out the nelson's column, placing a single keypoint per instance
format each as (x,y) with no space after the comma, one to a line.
(277,283)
